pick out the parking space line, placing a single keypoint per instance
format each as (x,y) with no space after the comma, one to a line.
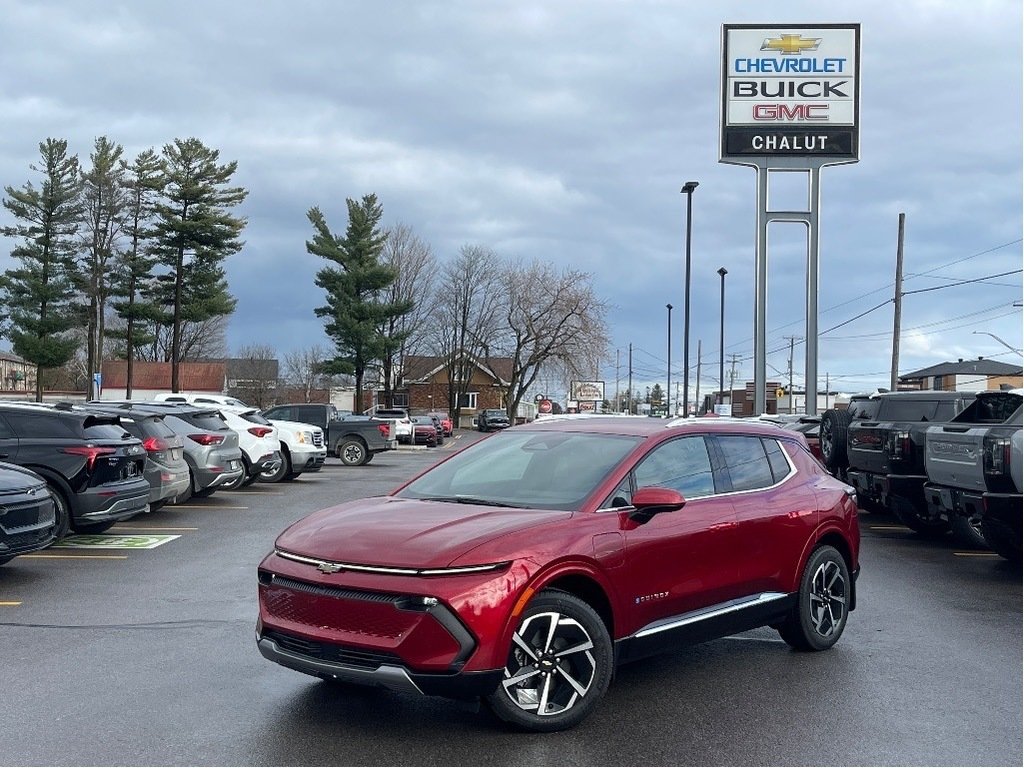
(975,554)
(889,528)
(9,603)
(204,506)
(127,527)
(74,557)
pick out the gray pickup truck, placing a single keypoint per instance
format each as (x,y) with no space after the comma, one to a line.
(974,470)
(353,439)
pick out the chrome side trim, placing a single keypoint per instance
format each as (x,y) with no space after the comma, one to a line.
(712,612)
(334,567)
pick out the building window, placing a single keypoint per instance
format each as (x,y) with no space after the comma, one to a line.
(468,400)
(400,399)
(937,383)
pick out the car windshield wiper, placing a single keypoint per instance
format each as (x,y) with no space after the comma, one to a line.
(463,499)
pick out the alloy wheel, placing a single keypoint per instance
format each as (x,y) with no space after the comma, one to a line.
(551,666)
(827,598)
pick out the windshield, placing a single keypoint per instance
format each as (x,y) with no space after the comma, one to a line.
(532,470)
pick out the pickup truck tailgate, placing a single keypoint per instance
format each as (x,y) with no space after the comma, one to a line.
(953,456)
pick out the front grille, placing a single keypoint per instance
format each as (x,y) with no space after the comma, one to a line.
(368,614)
(338,654)
(318,438)
(30,540)
(31,514)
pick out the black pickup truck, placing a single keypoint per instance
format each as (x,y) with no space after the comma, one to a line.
(884,447)
(974,471)
(353,439)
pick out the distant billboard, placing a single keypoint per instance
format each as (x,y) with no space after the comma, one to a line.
(790,90)
(586,390)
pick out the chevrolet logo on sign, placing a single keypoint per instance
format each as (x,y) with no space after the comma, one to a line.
(791,45)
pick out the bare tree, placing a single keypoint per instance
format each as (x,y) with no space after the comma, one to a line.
(416,268)
(199,341)
(552,320)
(255,374)
(469,299)
(304,368)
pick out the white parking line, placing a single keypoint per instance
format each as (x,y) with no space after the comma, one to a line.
(975,554)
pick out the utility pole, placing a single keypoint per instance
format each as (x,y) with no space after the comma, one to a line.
(826,390)
(898,308)
(732,377)
(696,397)
(792,341)
(618,400)
(629,395)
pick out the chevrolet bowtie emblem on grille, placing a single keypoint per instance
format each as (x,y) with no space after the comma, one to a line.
(791,45)
(328,567)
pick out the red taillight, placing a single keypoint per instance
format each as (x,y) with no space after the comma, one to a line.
(91,452)
(155,444)
(385,430)
(901,447)
(260,431)
(205,438)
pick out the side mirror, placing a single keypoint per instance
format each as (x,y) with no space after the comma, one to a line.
(652,500)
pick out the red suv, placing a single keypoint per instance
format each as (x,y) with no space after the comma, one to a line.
(526,566)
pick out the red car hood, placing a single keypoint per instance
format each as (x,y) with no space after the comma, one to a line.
(405,532)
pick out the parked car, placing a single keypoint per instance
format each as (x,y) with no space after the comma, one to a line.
(436,421)
(27,518)
(261,448)
(353,439)
(210,445)
(166,470)
(974,472)
(447,426)
(525,566)
(490,419)
(199,398)
(810,428)
(885,440)
(425,431)
(399,418)
(302,448)
(93,467)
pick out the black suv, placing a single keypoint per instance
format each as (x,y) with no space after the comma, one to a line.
(491,418)
(27,519)
(884,447)
(94,468)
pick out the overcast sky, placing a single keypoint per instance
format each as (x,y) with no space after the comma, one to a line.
(563,131)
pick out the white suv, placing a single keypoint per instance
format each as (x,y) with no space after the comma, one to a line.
(302,447)
(261,448)
(401,424)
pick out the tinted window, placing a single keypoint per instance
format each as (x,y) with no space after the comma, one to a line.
(29,424)
(105,431)
(683,465)
(911,410)
(778,463)
(211,421)
(863,409)
(5,428)
(256,418)
(746,461)
(991,409)
(155,427)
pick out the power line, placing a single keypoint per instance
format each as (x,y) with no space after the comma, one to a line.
(963,282)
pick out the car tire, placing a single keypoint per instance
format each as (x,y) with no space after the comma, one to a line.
(282,472)
(832,438)
(1002,540)
(915,517)
(352,452)
(234,485)
(61,511)
(967,531)
(567,686)
(825,590)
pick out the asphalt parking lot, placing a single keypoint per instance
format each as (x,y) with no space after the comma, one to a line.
(146,656)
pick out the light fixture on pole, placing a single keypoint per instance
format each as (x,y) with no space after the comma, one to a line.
(722,271)
(687,189)
(668,378)
(1012,349)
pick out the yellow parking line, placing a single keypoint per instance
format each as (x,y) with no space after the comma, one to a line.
(75,557)
(127,527)
(975,554)
(889,528)
(10,603)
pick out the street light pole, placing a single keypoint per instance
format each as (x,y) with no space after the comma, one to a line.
(722,271)
(668,378)
(687,189)
(1012,349)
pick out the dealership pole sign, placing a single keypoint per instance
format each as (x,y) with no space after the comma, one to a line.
(790,91)
(790,104)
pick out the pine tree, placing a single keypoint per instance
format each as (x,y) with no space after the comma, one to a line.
(38,296)
(132,284)
(355,312)
(194,233)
